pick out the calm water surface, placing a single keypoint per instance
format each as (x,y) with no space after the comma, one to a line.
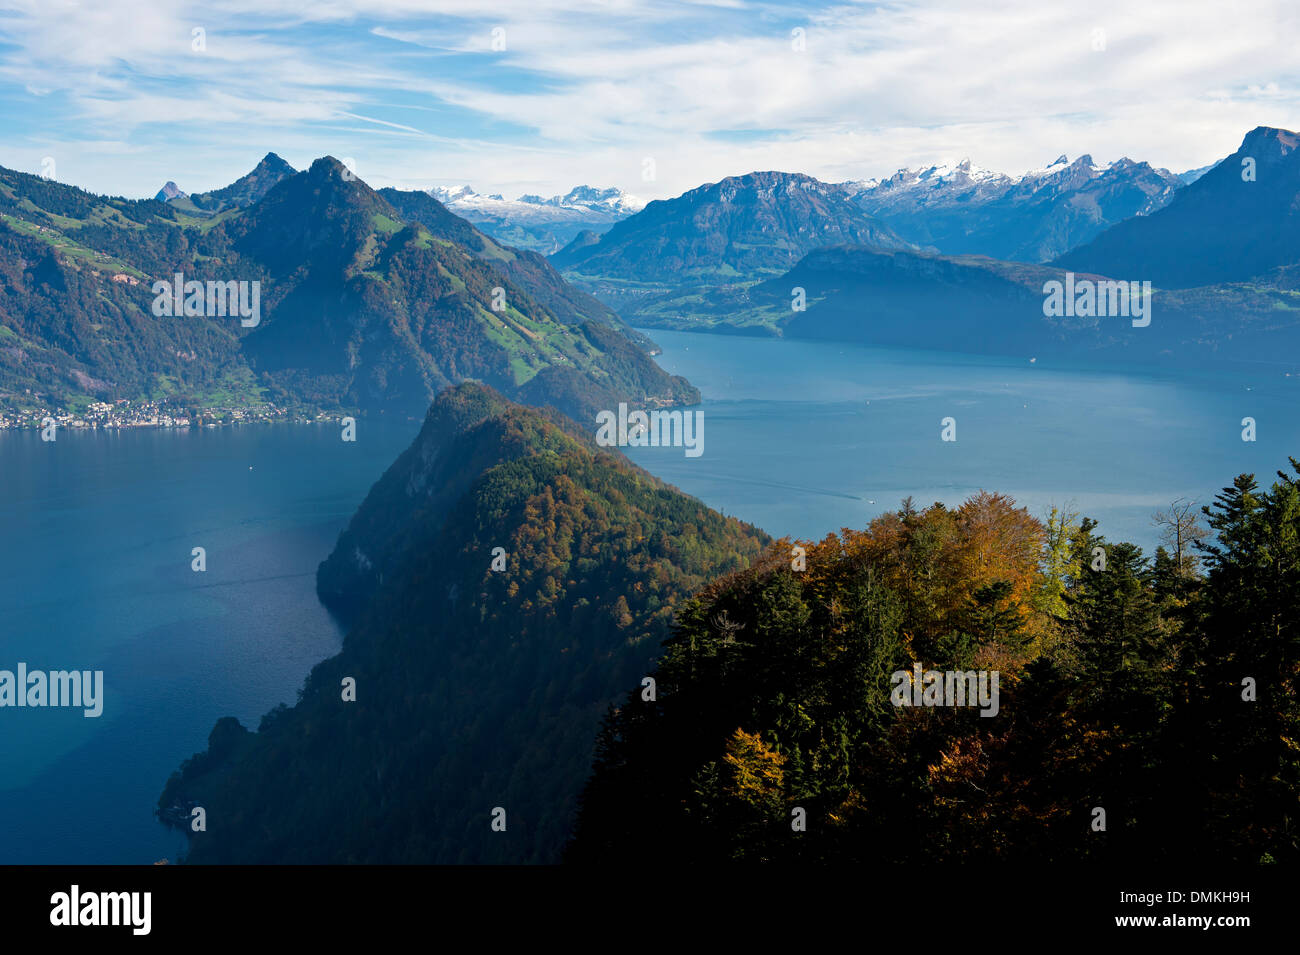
(98,529)
(804,438)
(800,438)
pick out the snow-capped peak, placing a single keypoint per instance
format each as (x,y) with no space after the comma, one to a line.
(1058,164)
(1062,163)
(963,171)
(445,195)
(946,175)
(610,201)
(615,200)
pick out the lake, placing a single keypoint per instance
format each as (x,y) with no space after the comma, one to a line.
(800,438)
(803,438)
(98,530)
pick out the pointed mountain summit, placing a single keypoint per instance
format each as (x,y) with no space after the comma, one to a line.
(1239,220)
(169,191)
(367,306)
(247,189)
(359,304)
(339,207)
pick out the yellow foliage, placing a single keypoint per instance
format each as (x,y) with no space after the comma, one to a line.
(756,768)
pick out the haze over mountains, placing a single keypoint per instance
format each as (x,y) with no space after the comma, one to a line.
(537,224)
(764,221)
(678,252)
(978,305)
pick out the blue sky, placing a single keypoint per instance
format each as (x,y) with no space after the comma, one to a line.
(418,94)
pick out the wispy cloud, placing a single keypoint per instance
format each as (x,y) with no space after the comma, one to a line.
(521,96)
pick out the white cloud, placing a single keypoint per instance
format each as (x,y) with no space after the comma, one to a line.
(585,90)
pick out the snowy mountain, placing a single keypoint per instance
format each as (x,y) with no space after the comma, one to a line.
(540,224)
(964,209)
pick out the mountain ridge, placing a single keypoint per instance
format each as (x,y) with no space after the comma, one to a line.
(1239,220)
(542,225)
(1033,217)
(360,308)
(417,763)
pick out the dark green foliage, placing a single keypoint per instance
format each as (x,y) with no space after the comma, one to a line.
(475,688)
(72,332)
(526,269)
(363,306)
(1129,699)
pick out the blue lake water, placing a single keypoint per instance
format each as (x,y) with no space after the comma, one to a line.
(98,530)
(800,438)
(803,438)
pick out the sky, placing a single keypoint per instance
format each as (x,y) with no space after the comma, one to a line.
(652,96)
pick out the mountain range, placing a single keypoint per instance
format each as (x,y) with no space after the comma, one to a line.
(1221,253)
(739,230)
(376,300)
(685,262)
(363,306)
(761,222)
(965,210)
(537,224)
(1238,221)
(954,208)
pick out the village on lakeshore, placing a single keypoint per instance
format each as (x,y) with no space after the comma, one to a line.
(125,413)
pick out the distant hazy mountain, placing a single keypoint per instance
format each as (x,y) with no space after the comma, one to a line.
(675,252)
(169,191)
(975,304)
(1239,220)
(537,224)
(743,225)
(476,686)
(962,209)
(1223,258)
(1192,175)
(361,305)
